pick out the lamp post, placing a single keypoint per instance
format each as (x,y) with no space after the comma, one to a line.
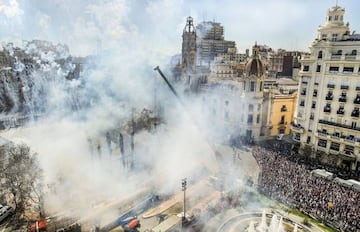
(183,187)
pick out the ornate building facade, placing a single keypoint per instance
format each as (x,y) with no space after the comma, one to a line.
(327,118)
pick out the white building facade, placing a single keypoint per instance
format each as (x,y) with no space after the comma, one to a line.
(327,117)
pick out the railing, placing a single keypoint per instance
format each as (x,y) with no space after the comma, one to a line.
(327,109)
(350,57)
(338,125)
(342,99)
(297,128)
(331,86)
(355,113)
(329,97)
(335,57)
(340,111)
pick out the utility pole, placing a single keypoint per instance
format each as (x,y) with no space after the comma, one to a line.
(183,185)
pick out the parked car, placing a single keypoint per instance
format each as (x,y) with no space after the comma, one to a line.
(5,212)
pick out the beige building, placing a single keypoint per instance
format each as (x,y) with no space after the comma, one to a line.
(281,111)
(327,118)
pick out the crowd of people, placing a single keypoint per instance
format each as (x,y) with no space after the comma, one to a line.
(285,179)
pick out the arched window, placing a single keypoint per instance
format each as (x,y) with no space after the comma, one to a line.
(320,54)
(354,52)
(339,52)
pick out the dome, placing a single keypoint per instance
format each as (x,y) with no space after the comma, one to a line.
(254,66)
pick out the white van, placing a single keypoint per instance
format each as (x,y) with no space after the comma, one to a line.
(5,212)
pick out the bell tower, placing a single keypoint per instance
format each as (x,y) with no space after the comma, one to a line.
(189,46)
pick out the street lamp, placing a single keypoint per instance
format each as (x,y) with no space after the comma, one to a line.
(183,187)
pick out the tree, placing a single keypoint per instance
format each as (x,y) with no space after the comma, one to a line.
(20,179)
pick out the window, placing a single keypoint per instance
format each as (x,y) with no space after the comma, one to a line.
(303,91)
(315,93)
(353,52)
(282,120)
(341,110)
(320,54)
(327,108)
(322,143)
(334,37)
(313,105)
(226,102)
(335,146)
(308,139)
(339,52)
(252,86)
(355,112)
(283,108)
(250,119)
(348,69)
(259,107)
(334,69)
(344,85)
(349,149)
(357,99)
(317,80)
(336,17)
(318,68)
(302,103)
(251,108)
(312,116)
(331,84)
(306,68)
(261,85)
(324,36)
(353,124)
(330,18)
(258,119)
(342,97)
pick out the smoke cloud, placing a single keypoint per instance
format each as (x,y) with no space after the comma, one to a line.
(122,41)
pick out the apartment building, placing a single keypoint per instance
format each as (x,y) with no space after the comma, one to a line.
(327,117)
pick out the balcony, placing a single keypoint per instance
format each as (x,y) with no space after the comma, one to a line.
(357,88)
(357,100)
(350,57)
(344,87)
(355,113)
(340,111)
(342,99)
(332,86)
(327,109)
(296,137)
(282,124)
(335,57)
(297,128)
(321,121)
(329,97)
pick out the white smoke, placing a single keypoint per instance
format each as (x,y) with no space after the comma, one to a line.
(11,9)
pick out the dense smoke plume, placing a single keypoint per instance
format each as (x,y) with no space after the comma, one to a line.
(126,40)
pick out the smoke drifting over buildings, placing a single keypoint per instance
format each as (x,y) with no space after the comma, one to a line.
(93,120)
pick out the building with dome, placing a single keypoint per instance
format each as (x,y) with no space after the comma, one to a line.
(232,86)
(327,119)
